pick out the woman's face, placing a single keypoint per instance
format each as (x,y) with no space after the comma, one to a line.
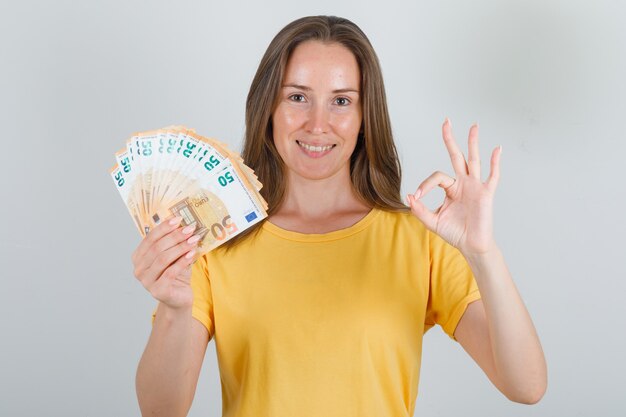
(318,118)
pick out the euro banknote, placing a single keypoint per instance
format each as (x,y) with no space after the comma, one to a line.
(173,171)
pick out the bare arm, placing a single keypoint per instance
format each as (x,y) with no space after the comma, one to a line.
(498,333)
(168,371)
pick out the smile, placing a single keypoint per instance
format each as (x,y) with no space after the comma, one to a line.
(312,148)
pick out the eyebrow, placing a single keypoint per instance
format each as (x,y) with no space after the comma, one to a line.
(305,88)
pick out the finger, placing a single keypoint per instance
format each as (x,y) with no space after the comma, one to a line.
(494,174)
(437,178)
(422,213)
(166,242)
(473,156)
(155,234)
(456,156)
(166,258)
(180,268)
(144,261)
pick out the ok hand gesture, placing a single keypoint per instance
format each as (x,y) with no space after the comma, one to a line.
(465,219)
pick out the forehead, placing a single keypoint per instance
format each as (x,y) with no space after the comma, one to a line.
(320,64)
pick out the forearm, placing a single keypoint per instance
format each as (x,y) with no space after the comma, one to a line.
(517,353)
(163,383)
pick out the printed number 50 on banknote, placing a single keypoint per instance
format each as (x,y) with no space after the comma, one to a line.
(220,206)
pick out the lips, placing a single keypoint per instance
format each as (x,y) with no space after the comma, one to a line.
(315,148)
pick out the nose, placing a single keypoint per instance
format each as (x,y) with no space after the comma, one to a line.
(318,119)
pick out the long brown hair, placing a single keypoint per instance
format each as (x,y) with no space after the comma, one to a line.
(374,165)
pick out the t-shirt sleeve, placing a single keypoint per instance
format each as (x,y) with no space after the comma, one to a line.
(452,286)
(202,309)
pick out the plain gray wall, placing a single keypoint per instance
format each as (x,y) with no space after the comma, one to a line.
(543,78)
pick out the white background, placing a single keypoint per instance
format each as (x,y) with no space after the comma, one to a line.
(545,79)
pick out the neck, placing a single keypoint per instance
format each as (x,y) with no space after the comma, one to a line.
(319,199)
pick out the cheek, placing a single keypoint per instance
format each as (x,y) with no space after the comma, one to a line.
(285,119)
(350,127)
(281,128)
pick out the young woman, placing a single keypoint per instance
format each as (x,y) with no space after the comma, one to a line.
(320,310)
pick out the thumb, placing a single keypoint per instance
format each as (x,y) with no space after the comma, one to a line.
(422,213)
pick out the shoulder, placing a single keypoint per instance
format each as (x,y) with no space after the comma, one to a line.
(400,219)
(403,224)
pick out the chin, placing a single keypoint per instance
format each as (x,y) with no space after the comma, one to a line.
(317,173)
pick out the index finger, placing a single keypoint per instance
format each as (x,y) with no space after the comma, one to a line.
(456,156)
(157,233)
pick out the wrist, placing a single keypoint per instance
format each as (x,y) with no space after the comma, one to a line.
(482,257)
(174,313)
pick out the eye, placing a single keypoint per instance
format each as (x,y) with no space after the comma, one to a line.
(342,101)
(296,97)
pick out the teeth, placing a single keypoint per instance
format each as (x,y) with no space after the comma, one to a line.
(315,148)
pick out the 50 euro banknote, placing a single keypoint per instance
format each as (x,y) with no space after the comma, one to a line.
(175,172)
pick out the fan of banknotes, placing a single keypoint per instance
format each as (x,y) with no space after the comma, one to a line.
(175,172)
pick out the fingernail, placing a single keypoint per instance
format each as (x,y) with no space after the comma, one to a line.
(189,229)
(193,239)
(500,149)
(190,254)
(176,220)
(448,121)
(418,193)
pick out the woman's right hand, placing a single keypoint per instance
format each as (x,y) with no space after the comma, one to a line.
(163,261)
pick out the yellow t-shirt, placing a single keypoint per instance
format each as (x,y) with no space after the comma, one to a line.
(329,324)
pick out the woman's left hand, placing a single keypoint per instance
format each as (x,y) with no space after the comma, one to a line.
(465,219)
